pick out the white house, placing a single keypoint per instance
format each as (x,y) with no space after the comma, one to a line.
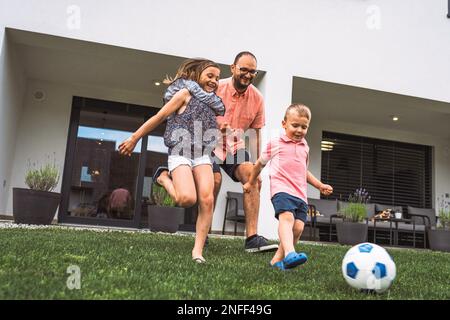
(356,63)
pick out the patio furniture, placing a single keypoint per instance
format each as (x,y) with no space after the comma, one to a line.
(399,227)
(381,228)
(323,223)
(234,210)
(310,231)
(425,218)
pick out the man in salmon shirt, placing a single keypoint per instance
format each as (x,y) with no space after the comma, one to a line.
(244,110)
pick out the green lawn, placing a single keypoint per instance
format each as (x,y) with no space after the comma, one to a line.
(123,265)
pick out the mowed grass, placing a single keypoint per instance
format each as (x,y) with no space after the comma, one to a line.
(124,265)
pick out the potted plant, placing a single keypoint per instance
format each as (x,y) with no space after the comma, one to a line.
(439,236)
(164,215)
(353,230)
(37,204)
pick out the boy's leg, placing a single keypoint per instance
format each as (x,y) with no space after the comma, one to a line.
(297,231)
(181,186)
(299,225)
(204,182)
(285,228)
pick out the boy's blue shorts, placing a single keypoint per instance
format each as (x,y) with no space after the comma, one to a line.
(283,201)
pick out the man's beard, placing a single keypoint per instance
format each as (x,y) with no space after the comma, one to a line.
(239,86)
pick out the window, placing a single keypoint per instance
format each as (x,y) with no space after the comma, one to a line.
(448,10)
(393,173)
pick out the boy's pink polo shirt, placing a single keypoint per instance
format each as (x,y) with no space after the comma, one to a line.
(288,167)
(242,111)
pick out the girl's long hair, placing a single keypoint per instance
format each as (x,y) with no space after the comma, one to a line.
(191,69)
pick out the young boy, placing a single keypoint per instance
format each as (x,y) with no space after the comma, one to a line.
(289,176)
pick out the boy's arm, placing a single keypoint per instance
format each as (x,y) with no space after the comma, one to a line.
(211,99)
(170,107)
(323,188)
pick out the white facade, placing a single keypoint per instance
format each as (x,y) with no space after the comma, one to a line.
(397,47)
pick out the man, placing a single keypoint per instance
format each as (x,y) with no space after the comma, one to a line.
(244,109)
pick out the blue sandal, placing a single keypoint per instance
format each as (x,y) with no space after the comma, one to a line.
(278,265)
(294,259)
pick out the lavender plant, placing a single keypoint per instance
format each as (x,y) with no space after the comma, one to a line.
(356,210)
(359,196)
(44,177)
(444,212)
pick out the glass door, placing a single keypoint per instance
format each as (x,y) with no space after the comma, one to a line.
(100,186)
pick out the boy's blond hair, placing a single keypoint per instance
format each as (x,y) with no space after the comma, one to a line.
(301,109)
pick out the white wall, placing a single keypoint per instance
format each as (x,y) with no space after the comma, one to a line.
(12,86)
(396,46)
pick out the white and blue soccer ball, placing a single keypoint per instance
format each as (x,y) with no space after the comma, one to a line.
(368,266)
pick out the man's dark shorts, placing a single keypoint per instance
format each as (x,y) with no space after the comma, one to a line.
(231,163)
(283,202)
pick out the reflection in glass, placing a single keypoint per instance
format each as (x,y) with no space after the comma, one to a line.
(103,183)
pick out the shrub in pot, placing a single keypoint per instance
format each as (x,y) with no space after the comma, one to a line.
(353,230)
(439,236)
(164,215)
(37,204)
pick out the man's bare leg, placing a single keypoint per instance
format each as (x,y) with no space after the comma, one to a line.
(251,199)
(217,185)
(254,242)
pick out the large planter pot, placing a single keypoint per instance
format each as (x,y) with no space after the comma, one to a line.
(165,219)
(439,239)
(351,233)
(34,206)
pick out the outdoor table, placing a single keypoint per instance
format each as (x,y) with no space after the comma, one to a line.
(393,229)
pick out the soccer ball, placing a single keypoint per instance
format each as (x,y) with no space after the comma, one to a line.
(368,267)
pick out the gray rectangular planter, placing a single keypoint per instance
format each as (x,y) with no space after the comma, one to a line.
(351,233)
(439,239)
(165,219)
(34,206)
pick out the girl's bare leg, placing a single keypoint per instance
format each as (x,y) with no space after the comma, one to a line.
(204,182)
(181,187)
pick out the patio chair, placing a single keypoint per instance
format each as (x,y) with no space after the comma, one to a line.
(234,210)
(310,231)
(324,223)
(424,219)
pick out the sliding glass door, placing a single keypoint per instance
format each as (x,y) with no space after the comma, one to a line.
(100,186)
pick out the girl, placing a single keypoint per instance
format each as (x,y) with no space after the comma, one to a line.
(190,108)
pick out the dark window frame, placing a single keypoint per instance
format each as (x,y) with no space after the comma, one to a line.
(88,104)
(383,167)
(448,9)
